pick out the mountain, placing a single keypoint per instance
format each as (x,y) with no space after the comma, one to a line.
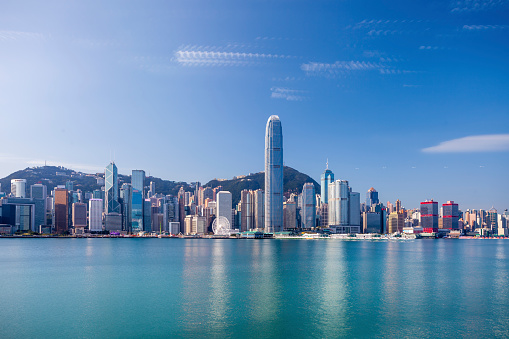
(51,176)
(293,181)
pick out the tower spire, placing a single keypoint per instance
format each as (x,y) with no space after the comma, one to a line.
(327,163)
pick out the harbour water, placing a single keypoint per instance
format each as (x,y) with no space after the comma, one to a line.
(253,288)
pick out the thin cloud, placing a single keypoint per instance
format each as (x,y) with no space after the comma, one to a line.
(19,35)
(210,56)
(475,143)
(483,27)
(476,5)
(287,94)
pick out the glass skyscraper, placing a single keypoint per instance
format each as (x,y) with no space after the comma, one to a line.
(273,175)
(327,178)
(137,185)
(308,206)
(111,189)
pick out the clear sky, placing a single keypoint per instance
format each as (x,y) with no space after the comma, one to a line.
(410,97)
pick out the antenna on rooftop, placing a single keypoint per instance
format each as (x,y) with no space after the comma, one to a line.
(327,163)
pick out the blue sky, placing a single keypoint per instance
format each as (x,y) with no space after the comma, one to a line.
(410,97)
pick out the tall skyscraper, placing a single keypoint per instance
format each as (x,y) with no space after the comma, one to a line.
(308,206)
(429,214)
(18,188)
(95,210)
(61,210)
(450,215)
(327,178)
(258,209)
(344,208)
(137,198)
(224,206)
(273,175)
(246,202)
(371,198)
(111,189)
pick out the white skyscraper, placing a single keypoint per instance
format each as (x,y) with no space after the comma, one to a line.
(18,188)
(224,206)
(95,209)
(344,208)
(273,175)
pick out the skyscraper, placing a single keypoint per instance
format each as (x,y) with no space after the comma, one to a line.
(327,178)
(61,210)
(308,207)
(273,175)
(95,209)
(450,215)
(429,215)
(137,194)
(246,201)
(344,208)
(371,198)
(18,188)
(224,206)
(111,189)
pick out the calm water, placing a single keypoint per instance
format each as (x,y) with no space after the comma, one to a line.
(253,288)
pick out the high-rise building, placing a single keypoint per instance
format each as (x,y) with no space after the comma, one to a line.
(273,175)
(429,215)
(61,210)
(396,222)
(95,210)
(450,215)
(258,209)
(308,206)
(290,215)
(18,188)
(79,215)
(246,202)
(371,198)
(327,178)
(224,206)
(138,180)
(344,208)
(111,189)
(126,206)
(397,206)
(137,198)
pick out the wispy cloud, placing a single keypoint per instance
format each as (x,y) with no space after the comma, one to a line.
(19,35)
(347,67)
(211,56)
(475,143)
(484,27)
(476,5)
(288,94)
(380,27)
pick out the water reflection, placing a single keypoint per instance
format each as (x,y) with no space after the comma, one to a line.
(333,301)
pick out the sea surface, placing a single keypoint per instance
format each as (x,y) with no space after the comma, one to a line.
(221,288)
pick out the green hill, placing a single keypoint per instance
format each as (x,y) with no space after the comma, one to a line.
(51,176)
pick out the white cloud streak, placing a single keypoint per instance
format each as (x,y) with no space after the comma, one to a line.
(19,35)
(209,57)
(483,27)
(476,5)
(475,143)
(346,67)
(287,94)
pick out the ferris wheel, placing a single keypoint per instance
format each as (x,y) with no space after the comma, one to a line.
(221,226)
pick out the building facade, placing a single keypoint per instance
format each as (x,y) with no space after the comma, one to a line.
(273,175)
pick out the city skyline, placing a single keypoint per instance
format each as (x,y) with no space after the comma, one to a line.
(408,98)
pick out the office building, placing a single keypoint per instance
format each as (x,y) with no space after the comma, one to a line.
(450,215)
(18,188)
(429,216)
(246,207)
(371,198)
(290,215)
(308,206)
(326,179)
(396,223)
(79,217)
(273,175)
(61,210)
(95,210)
(111,189)
(344,208)
(224,206)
